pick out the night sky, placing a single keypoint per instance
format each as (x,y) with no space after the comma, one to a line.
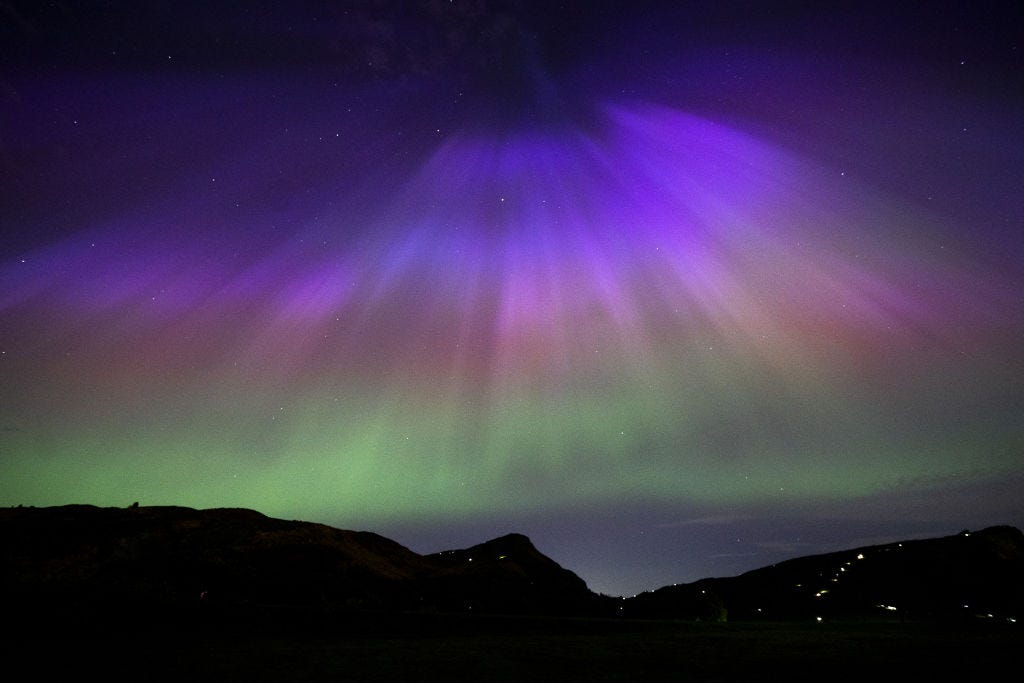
(675,289)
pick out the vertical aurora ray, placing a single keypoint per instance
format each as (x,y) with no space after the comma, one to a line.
(662,307)
(600,277)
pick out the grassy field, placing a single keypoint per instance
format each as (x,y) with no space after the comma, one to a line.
(508,649)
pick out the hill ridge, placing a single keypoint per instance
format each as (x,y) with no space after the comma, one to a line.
(87,558)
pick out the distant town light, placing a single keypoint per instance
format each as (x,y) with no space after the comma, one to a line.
(860,556)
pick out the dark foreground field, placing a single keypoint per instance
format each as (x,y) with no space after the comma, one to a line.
(427,647)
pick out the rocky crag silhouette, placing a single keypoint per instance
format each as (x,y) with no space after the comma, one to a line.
(174,563)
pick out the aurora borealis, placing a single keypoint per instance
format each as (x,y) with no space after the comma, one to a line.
(676,290)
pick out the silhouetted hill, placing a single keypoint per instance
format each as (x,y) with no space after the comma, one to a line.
(509,575)
(154,560)
(88,556)
(80,564)
(974,575)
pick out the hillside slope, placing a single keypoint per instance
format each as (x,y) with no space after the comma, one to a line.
(967,575)
(153,563)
